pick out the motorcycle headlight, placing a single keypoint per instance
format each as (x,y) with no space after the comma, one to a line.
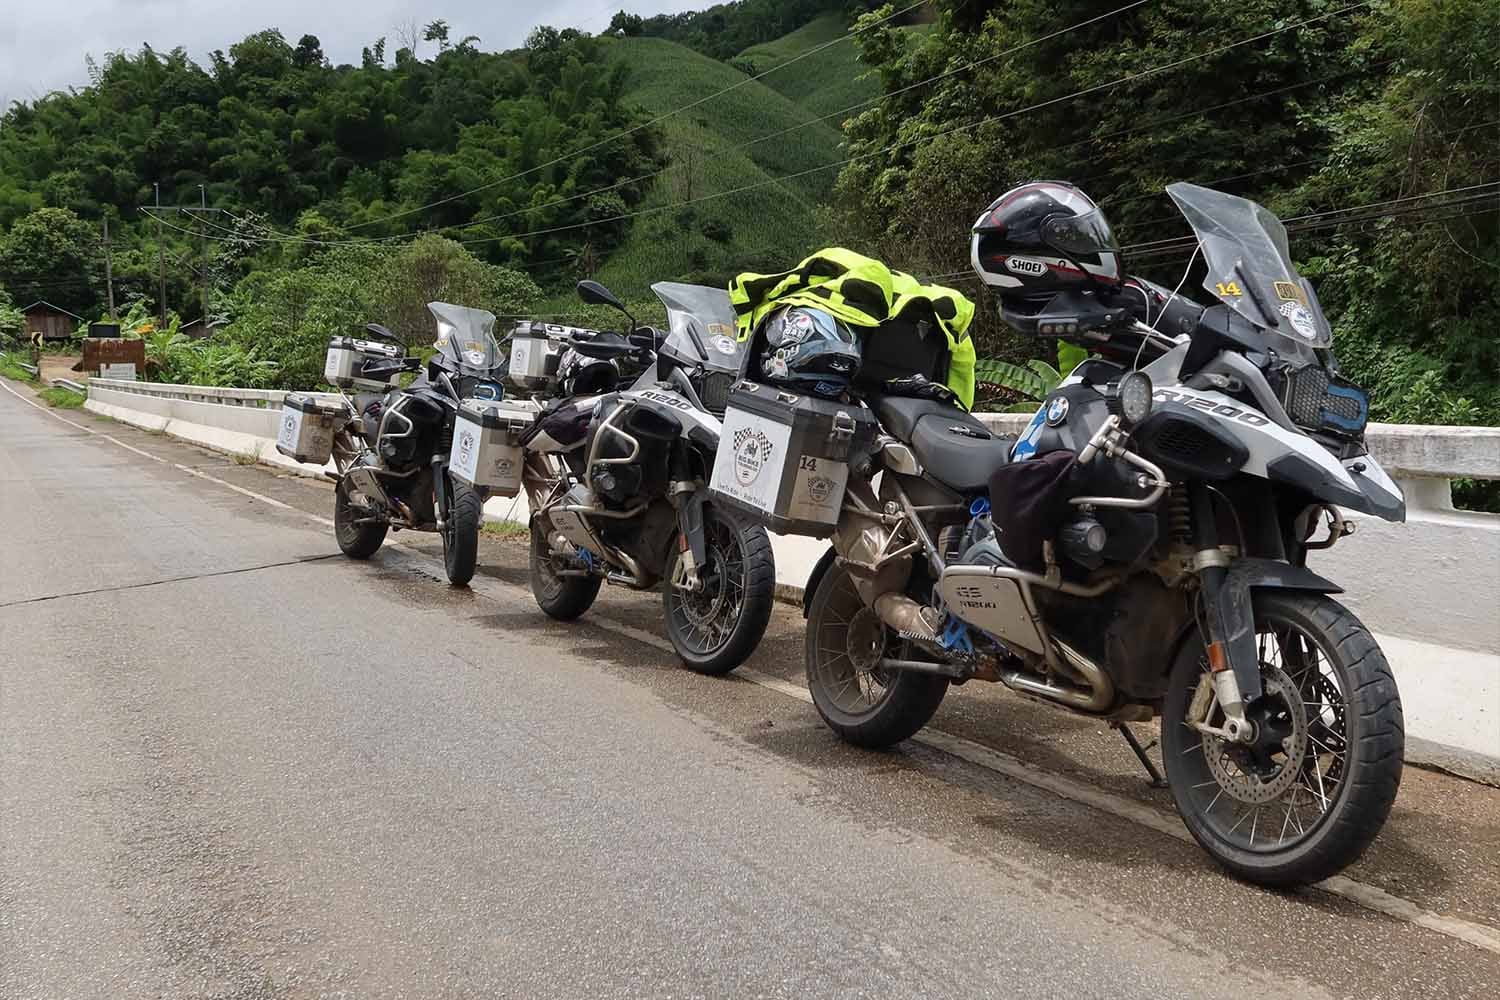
(1135,397)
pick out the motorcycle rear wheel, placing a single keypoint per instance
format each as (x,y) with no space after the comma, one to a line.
(560,597)
(461,531)
(865,705)
(357,541)
(1306,802)
(715,629)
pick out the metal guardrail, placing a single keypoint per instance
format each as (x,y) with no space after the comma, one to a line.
(34,369)
(69,384)
(266,399)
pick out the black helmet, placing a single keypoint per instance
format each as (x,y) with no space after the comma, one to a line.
(808,350)
(1041,238)
(578,375)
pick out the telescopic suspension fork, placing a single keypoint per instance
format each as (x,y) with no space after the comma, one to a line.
(1233,660)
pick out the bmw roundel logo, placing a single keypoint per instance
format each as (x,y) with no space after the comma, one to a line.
(1057,411)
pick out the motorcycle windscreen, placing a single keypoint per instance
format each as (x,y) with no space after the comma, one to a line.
(1250,268)
(466,337)
(700,325)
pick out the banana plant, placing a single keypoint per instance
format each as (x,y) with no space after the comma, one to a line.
(1035,379)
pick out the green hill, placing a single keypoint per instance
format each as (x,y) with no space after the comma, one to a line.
(824,83)
(713,239)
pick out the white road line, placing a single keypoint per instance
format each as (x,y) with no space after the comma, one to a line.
(1360,893)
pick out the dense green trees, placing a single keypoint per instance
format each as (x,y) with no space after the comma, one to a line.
(344,153)
(1389,100)
(58,253)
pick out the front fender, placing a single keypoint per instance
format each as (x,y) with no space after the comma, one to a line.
(1232,614)
(1274,574)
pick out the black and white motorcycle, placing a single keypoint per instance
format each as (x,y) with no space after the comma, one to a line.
(1141,551)
(616,478)
(392,454)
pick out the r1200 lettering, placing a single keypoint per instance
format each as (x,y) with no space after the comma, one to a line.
(1141,551)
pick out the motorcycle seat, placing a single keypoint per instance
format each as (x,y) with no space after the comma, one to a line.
(953,446)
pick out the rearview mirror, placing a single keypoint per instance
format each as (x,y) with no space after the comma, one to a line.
(597,295)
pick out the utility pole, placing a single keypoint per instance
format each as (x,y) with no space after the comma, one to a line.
(203,257)
(161,265)
(109,272)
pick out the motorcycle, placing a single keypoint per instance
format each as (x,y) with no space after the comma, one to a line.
(616,480)
(1140,552)
(392,454)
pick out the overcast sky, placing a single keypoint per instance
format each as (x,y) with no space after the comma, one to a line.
(43,42)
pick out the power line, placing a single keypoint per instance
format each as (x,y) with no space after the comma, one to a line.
(1326,220)
(1314,222)
(1128,78)
(1299,223)
(784,131)
(636,128)
(839,163)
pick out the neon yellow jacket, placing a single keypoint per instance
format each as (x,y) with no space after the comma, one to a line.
(862,292)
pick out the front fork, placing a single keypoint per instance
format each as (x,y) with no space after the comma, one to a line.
(440,490)
(1233,658)
(687,498)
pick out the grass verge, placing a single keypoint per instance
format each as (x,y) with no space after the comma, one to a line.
(10,367)
(63,399)
(505,530)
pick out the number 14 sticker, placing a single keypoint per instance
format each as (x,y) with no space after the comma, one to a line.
(1231,289)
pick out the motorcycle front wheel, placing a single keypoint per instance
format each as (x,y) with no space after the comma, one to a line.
(461,531)
(716,627)
(1309,794)
(865,704)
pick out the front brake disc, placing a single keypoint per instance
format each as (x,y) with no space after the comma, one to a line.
(1257,779)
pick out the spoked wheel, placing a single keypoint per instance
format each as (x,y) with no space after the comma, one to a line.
(716,627)
(863,703)
(561,597)
(356,540)
(1310,792)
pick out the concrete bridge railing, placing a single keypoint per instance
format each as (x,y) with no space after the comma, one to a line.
(1429,588)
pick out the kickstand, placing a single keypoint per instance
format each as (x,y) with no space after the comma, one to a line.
(1157,781)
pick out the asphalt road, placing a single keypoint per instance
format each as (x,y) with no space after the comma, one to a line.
(235,764)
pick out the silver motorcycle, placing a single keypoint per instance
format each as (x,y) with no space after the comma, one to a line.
(1141,552)
(616,479)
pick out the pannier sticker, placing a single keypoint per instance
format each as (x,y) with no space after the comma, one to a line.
(290,425)
(818,491)
(520,356)
(1230,288)
(752,452)
(748,466)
